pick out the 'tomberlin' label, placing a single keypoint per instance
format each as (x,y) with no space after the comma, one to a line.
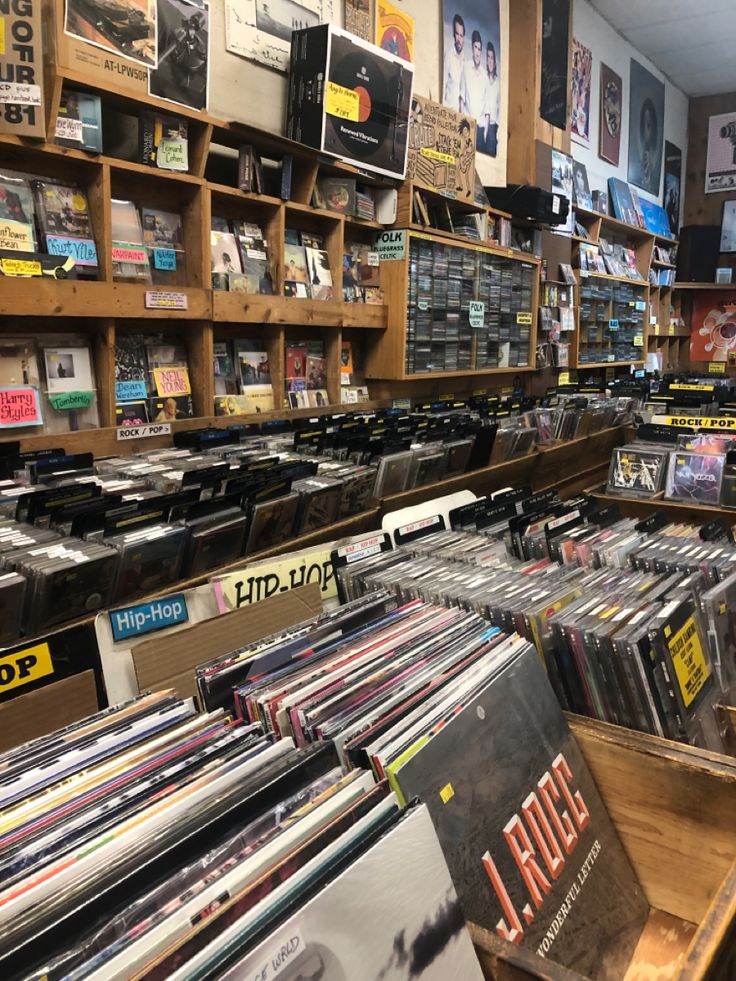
(132,621)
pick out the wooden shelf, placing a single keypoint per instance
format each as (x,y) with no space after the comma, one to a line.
(474,373)
(642,507)
(244,308)
(82,299)
(614,279)
(608,364)
(663,265)
(633,230)
(706,286)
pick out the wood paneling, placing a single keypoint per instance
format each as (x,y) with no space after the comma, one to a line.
(702,208)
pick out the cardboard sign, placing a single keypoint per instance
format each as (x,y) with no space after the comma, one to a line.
(21,70)
(265,579)
(441,149)
(171,382)
(20,406)
(129,253)
(16,236)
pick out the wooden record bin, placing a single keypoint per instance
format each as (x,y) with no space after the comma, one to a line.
(673,807)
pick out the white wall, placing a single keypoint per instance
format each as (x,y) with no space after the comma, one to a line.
(244,91)
(609,47)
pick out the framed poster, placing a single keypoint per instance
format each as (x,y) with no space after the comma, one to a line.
(582,70)
(672,184)
(609,147)
(646,128)
(555,44)
(471,77)
(720,167)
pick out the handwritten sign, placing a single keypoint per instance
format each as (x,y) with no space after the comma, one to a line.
(258,582)
(16,236)
(717,368)
(173,155)
(82,250)
(130,391)
(477,313)
(69,129)
(342,102)
(166,300)
(21,267)
(19,94)
(20,406)
(164,259)
(69,401)
(129,253)
(172,381)
(143,432)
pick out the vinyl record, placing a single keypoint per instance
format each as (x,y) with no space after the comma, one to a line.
(364,74)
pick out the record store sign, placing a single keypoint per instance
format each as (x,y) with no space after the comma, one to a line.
(390,246)
(133,621)
(25,667)
(258,582)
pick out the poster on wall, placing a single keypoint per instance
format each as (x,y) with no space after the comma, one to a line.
(394,30)
(672,184)
(21,69)
(646,128)
(260,30)
(720,167)
(128,30)
(562,183)
(609,148)
(555,43)
(728,227)
(713,332)
(582,71)
(358,18)
(183,47)
(471,80)
(441,149)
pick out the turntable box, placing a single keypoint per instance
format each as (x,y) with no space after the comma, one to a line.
(350,99)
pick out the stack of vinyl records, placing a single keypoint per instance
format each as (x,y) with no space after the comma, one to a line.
(149,842)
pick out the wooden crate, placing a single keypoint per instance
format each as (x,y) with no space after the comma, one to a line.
(674,808)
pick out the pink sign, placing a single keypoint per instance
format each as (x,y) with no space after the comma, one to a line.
(20,407)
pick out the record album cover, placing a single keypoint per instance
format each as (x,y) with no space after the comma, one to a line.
(695,477)
(637,472)
(530,846)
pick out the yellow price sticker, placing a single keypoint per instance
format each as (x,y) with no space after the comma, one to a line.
(717,368)
(639,341)
(691,668)
(342,102)
(524,319)
(671,330)
(447,793)
(21,267)
(2,35)
(563,378)
(447,158)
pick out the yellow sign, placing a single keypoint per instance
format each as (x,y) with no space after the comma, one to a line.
(447,158)
(717,368)
(16,236)
(700,422)
(691,668)
(639,340)
(25,667)
(2,35)
(692,388)
(447,793)
(257,582)
(656,330)
(563,378)
(671,330)
(524,319)
(342,102)
(21,267)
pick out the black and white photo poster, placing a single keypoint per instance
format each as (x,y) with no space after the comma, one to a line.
(646,128)
(720,167)
(183,53)
(260,30)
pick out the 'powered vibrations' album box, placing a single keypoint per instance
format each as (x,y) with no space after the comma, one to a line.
(349,98)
